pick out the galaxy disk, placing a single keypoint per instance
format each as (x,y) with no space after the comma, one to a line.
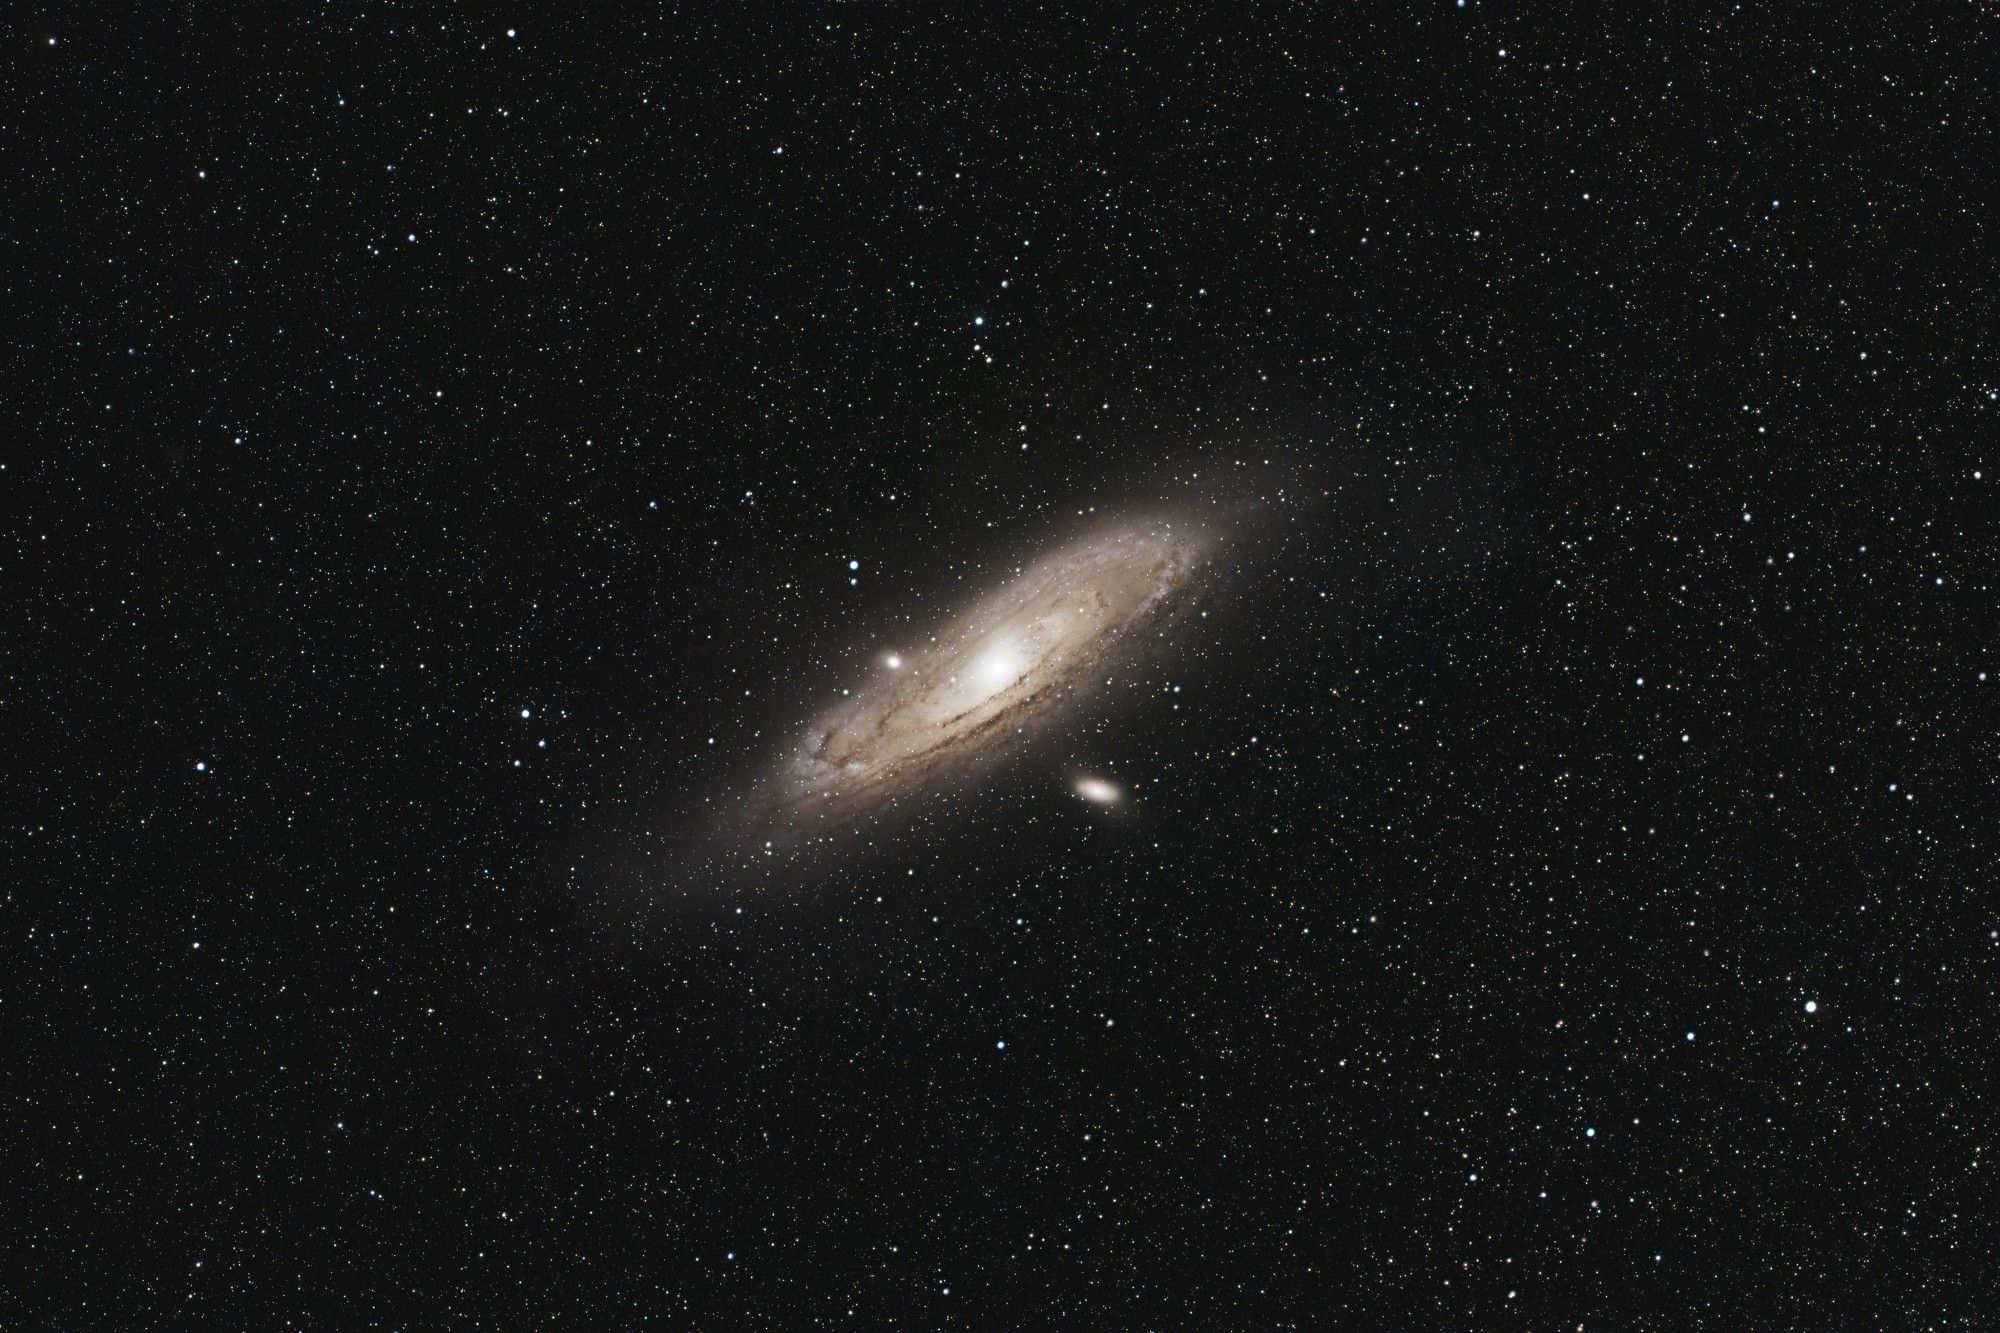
(1000,672)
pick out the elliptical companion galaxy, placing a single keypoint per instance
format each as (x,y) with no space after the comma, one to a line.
(999,673)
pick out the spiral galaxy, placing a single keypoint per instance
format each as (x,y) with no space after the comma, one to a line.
(1000,672)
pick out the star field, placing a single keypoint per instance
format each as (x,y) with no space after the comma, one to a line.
(1551,885)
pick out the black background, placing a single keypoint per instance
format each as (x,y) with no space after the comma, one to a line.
(1557,351)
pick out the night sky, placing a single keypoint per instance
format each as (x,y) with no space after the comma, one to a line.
(455,457)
